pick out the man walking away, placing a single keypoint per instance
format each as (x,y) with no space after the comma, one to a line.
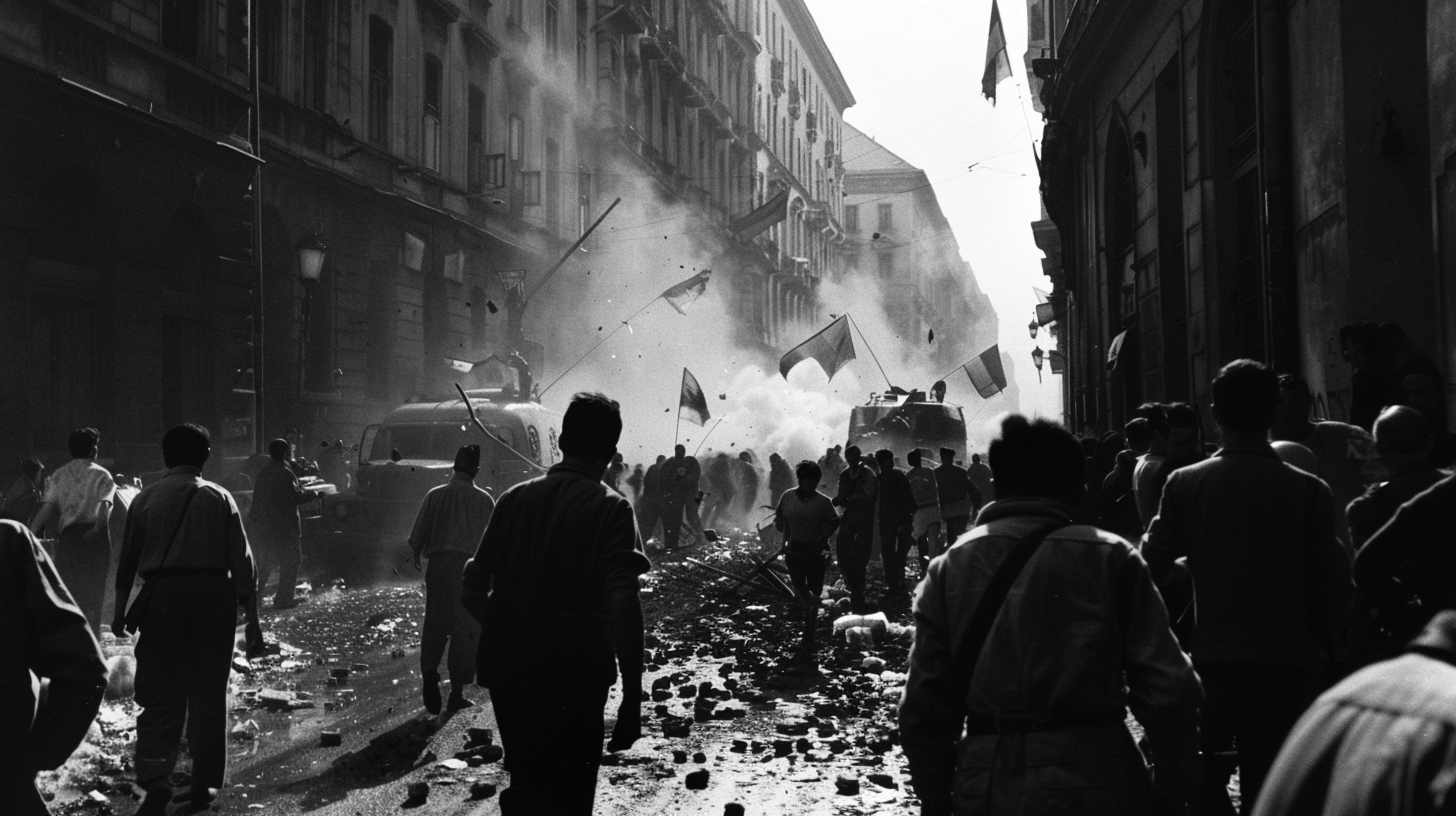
(277,532)
(857,491)
(653,499)
(1033,635)
(1404,571)
(447,530)
(554,586)
(42,635)
(807,519)
(1271,581)
(1405,442)
(680,489)
(781,477)
(78,497)
(925,528)
(185,538)
(959,496)
(897,517)
(25,494)
(981,478)
(1381,743)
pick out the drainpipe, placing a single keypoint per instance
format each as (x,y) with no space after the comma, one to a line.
(1276,168)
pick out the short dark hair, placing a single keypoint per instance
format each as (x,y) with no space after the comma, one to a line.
(884,455)
(913,457)
(808,469)
(278,449)
(186,445)
(852,449)
(82,442)
(1157,416)
(976,458)
(1036,458)
(1245,395)
(31,468)
(1136,432)
(592,425)
(1180,415)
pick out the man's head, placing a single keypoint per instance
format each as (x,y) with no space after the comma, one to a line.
(82,443)
(467,460)
(591,427)
(31,468)
(808,473)
(745,456)
(661,458)
(1245,396)
(278,449)
(774,458)
(1292,413)
(679,451)
(1037,458)
(186,446)
(913,457)
(1138,435)
(1403,436)
(851,455)
(1360,344)
(884,458)
(617,459)
(937,391)
(947,456)
(1182,430)
(975,458)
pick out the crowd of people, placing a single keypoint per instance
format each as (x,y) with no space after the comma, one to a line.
(1280,603)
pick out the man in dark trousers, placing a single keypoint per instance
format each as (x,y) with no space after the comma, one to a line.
(274,524)
(42,635)
(806,518)
(447,530)
(78,499)
(554,586)
(857,491)
(652,500)
(679,488)
(184,536)
(897,519)
(959,496)
(980,476)
(1033,722)
(1271,582)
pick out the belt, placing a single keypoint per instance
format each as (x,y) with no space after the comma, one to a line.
(980,725)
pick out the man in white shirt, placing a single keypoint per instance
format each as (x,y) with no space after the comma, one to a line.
(78,499)
(807,519)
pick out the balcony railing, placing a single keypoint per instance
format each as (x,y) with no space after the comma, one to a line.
(776,76)
(811,125)
(793,100)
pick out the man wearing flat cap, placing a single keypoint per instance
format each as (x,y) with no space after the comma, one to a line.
(446,533)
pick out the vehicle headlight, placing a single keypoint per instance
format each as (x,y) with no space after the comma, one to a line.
(341,511)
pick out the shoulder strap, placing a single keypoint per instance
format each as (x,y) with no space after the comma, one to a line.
(963,664)
(176,530)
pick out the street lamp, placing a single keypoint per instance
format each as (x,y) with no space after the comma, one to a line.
(311,252)
(1037,355)
(1032,327)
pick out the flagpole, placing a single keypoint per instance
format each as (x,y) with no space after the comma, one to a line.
(589,351)
(579,242)
(869,349)
(709,433)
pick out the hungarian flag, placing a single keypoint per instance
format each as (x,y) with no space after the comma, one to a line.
(1045,313)
(682,295)
(986,372)
(998,64)
(830,348)
(773,211)
(691,404)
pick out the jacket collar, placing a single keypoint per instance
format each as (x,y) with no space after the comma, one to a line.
(1027,506)
(1438,640)
(1251,448)
(184,470)
(563,468)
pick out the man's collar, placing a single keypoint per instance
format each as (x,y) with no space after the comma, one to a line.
(1255,448)
(569,467)
(188,470)
(1027,506)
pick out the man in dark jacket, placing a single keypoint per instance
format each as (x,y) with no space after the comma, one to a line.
(858,488)
(44,635)
(897,517)
(554,586)
(652,499)
(273,521)
(960,498)
(1404,571)
(780,476)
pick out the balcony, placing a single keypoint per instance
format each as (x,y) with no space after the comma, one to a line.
(622,18)
(718,119)
(811,125)
(776,76)
(793,100)
(696,93)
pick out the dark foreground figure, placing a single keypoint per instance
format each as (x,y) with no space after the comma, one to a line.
(554,586)
(41,631)
(1025,631)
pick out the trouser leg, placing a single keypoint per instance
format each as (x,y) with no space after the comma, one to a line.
(264,557)
(289,555)
(672,517)
(695,522)
(955,527)
(852,547)
(894,546)
(446,621)
(207,698)
(83,557)
(553,744)
(1272,700)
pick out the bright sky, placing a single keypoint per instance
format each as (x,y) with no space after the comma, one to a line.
(915,68)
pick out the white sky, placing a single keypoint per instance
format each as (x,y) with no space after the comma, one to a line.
(914,67)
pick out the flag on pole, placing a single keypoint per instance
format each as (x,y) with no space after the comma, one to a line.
(773,211)
(692,405)
(831,348)
(1045,313)
(1042,295)
(986,372)
(998,63)
(682,295)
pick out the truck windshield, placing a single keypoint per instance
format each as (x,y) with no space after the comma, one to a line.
(437,441)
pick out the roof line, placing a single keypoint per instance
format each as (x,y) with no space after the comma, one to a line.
(803,22)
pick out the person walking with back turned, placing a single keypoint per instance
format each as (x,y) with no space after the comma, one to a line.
(78,497)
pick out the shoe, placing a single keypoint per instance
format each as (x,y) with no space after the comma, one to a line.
(431,691)
(197,800)
(154,803)
(458,703)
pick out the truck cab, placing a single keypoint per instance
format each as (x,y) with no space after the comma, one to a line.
(413,450)
(900,422)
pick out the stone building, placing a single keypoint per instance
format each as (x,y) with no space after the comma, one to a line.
(1238,179)
(897,236)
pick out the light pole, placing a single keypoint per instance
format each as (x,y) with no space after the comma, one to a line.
(311,252)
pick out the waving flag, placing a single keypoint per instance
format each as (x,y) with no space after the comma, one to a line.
(830,348)
(773,211)
(682,295)
(986,372)
(998,63)
(692,405)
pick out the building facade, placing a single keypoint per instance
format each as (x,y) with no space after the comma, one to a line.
(897,236)
(1237,179)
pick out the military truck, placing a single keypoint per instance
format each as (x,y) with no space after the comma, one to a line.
(364,532)
(900,421)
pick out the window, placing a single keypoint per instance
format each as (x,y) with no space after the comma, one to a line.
(851,218)
(583,30)
(381,77)
(475,139)
(343,54)
(270,19)
(315,55)
(237,34)
(583,198)
(553,29)
(887,265)
(886,221)
(430,130)
(517,142)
